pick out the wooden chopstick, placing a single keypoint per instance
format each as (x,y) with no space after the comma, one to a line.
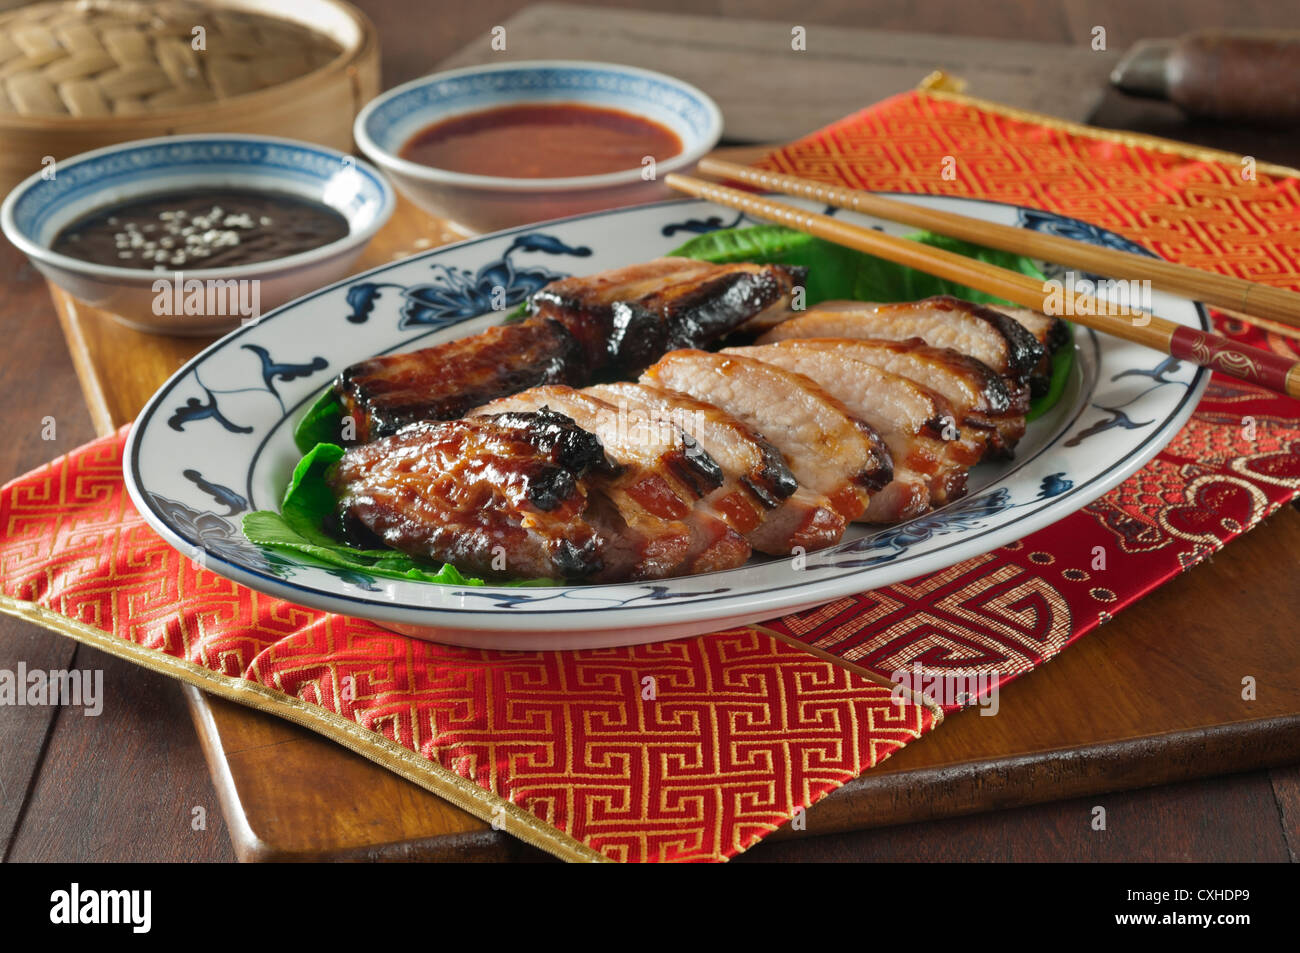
(1221,291)
(1206,350)
(1264,324)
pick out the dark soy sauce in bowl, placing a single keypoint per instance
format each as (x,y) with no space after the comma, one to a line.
(202,229)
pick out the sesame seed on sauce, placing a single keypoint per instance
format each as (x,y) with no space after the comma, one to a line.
(210,229)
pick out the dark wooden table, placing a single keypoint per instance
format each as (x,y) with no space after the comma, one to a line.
(124,786)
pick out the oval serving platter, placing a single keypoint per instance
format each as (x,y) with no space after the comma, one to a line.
(216,441)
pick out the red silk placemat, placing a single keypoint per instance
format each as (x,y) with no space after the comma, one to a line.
(740,730)
(1000,615)
(686,750)
(990,619)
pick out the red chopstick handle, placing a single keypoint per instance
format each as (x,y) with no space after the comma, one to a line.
(1265,368)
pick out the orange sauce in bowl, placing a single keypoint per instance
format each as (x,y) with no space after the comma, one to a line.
(542,141)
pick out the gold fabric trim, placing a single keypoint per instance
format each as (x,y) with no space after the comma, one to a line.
(941,86)
(434,778)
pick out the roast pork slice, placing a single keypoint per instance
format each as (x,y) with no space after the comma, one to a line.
(829,451)
(761,497)
(666,476)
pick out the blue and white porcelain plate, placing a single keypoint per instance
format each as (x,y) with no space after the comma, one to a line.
(216,442)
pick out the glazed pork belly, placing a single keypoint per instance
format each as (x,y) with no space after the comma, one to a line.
(465,491)
(987,412)
(908,417)
(664,485)
(628,318)
(983,333)
(759,497)
(579,330)
(830,452)
(386,393)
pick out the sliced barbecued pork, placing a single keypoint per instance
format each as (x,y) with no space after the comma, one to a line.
(942,321)
(627,318)
(468,491)
(986,410)
(646,420)
(386,393)
(909,418)
(665,477)
(760,497)
(580,330)
(829,450)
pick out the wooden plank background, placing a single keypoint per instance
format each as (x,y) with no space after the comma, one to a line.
(774,93)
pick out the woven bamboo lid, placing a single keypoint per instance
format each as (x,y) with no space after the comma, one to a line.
(97,58)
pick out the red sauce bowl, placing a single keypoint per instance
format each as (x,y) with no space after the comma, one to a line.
(486,108)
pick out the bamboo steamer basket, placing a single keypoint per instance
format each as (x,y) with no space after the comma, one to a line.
(137,78)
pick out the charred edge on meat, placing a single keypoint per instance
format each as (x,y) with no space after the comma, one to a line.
(1057,336)
(882,473)
(576,561)
(348,527)
(990,384)
(405,500)
(694,467)
(1024,352)
(709,309)
(625,337)
(381,400)
(774,482)
(948,487)
(938,426)
(559,437)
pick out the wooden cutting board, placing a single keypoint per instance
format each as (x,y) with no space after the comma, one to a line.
(1152,697)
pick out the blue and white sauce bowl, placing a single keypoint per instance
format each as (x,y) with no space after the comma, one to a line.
(483,203)
(42,205)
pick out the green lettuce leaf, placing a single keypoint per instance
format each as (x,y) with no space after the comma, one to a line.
(836,272)
(321,423)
